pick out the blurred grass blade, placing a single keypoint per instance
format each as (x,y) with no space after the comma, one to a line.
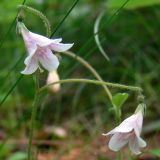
(13,67)
(24,1)
(6,35)
(70,10)
(11,89)
(96,28)
(11,26)
(133,4)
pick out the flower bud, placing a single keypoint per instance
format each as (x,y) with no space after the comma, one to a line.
(53,77)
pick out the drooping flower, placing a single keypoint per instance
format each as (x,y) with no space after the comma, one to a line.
(53,77)
(39,50)
(128,132)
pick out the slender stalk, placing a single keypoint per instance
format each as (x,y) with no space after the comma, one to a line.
(113,85)
(33,118)
(119,155)
(91,69)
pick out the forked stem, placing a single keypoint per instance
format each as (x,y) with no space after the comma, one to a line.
(112,85)
(91,69)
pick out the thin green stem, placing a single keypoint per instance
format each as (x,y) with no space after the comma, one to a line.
(118,117)
(41,15)
(33,118)
(112,85)
(119,155)
(91,69)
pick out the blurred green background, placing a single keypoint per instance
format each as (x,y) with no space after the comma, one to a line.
(130,38)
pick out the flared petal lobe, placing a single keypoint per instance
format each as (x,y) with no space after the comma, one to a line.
(31,65)
(117,141)
(60,47)
(135,144)
(49,61)
(42,40)
(138,123)
(30,43)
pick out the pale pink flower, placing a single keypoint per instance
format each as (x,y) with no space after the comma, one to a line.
(40,50)
(128,132)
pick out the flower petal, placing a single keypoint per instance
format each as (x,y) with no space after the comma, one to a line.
(57,40)
(117,141)
(124,127)
(134,145)
(31,65)
(60,47)
(138,123)
(29,41)
(48,60)
(141,142)
(42,40)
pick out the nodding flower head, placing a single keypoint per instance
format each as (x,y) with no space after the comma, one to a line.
(40,49)
(128,132)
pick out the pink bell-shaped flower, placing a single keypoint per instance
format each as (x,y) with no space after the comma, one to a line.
(39,50)
(128,132)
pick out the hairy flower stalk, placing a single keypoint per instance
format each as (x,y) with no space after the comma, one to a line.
(129,132)
(39,50)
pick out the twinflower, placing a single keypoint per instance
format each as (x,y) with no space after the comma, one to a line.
(128,132)
(39,50)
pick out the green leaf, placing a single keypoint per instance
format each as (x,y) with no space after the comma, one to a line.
(132,4)
(119,99)
(18,156)
(155,152)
